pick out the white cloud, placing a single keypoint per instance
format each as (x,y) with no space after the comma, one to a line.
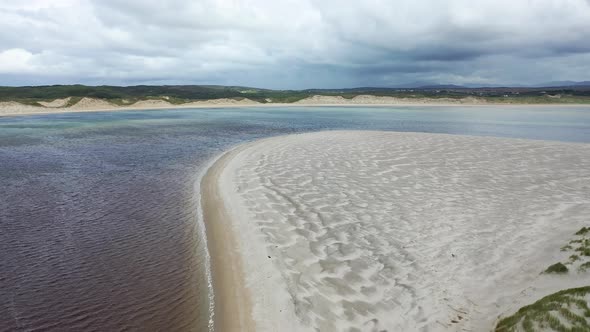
(16,60)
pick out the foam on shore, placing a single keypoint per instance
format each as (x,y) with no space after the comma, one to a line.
(399,231)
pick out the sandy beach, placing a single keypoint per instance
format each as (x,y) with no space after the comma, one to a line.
(373,231)
(86,104)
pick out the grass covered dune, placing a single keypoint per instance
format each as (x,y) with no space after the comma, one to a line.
(78,98)
(372,231)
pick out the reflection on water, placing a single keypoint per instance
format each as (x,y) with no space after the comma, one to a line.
(98,227)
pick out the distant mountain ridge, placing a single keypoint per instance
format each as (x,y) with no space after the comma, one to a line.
(553,84)
(564,83)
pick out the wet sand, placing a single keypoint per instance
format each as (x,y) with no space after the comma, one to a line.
(232,309)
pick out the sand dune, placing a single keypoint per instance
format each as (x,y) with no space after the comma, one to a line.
(56,103)
(385,100)
(87,103)
(95,104)
(222,102)
(374,231)
(14,108)
(151,103)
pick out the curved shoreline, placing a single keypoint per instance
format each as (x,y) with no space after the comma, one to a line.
(232,308)
(236,244)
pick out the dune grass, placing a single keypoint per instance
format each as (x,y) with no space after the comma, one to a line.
(579,247)
(179,94)
(584,267)
(564,311)
(557,268)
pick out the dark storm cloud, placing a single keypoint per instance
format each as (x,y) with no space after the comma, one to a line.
(293,43)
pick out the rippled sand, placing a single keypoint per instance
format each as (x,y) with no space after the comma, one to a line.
(392,231)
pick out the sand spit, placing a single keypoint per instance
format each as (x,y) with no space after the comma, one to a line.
(378,231)
(232,298)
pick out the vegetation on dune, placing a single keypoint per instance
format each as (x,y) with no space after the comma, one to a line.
(567,247)
(178,94)
(73,101)
(580,253)
(566,311)
(584,267)
(557,268)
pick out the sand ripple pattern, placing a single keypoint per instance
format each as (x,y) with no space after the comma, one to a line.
(382,231)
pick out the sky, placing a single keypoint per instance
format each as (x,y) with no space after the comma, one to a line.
(294,44)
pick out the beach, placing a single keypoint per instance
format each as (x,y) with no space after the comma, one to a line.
(87,104)
(372,231)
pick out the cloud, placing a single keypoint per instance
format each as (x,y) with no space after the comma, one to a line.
(16,60)
(293,43)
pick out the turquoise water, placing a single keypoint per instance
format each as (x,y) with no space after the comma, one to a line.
(98,227)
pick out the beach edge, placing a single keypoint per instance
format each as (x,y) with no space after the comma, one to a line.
(46,111)
(232,300)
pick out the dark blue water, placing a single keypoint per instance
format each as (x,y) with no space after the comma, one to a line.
(98,227)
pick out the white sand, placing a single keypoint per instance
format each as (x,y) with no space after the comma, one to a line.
(222,102)
(14,108)
(402,231)
(151,103)
(386,100)
(56,102)
(87,104)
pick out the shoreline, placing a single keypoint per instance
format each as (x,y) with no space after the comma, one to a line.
(35,110)
(231,298)
(248,293)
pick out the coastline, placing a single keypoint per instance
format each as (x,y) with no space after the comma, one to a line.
(23,110)
(248,289)
(232,307)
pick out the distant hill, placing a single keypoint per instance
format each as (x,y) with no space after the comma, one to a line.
(571,92)
(564,84)
(442,86)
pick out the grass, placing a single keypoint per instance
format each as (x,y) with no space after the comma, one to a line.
(583,231)
(584,267)
(564,311)
(73,101)
(584,250)
(179,94)
(557,268)
(581,247)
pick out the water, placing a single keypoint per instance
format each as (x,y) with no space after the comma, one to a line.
(98,214)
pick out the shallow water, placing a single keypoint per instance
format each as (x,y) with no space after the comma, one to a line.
(98,215)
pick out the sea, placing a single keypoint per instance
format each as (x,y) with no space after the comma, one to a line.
(99,212)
